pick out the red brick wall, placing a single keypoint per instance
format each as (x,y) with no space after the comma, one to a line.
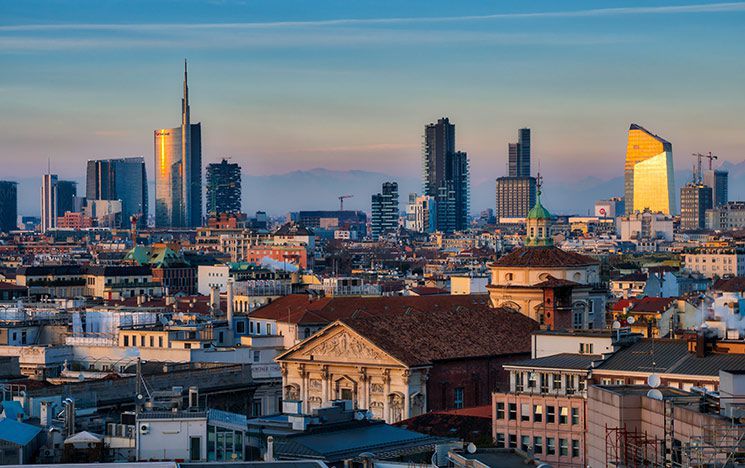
(478,377)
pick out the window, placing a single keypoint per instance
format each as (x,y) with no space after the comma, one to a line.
(563,447)
(537,444)
(268,328)
(563,414)
(518,381)
(513,441)
(575,447)
(550,446)
(575,416)
(557,381)
(160,341)
(537,413)
(500,440)
(126,340)
(585,348)
(571,384)
(620,381)
(250,327)
(142,340)
(513,411)
(525,443)
(152,341)
(240,328)
(550,414)
(458,398)
(605,381)
(544,383)
(500,410)
(532,377)
(257,356)
(524,412)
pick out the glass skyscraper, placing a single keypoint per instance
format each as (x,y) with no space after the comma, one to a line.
(384,210)
(178,171)
(8,206)
(648,176)
(446,176)
(223,188)
(122,179)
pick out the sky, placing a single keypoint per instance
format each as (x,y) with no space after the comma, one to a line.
(291,85)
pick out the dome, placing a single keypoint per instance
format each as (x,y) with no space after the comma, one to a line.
(538,211)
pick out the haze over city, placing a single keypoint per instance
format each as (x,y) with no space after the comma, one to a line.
(286,86)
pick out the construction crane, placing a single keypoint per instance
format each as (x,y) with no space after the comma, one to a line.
(698,174)
(341,201)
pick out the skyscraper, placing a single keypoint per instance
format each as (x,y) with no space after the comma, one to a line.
(515,194)
(178,170)
(48,202)
(648,175)
(718,181)
(446,176)
(8,206)
(122,179)
(223,188)
(67,192)
(695,199)
(384,218)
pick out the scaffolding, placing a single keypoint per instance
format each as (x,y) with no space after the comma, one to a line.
(718,446)
(624,448)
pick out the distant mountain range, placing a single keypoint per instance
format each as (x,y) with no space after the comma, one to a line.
(320,188)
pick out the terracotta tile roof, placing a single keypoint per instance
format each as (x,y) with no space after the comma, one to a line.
(304,310)
(644,304)
(440,331)
(474,411)
(736,284)
(543,257)
(428,291)
(552,282)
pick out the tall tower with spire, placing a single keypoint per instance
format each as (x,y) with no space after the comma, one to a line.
(178,170)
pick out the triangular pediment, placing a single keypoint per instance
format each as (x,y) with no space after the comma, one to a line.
(338,344)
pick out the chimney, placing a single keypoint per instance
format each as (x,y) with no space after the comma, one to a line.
(229,305)
(215,300)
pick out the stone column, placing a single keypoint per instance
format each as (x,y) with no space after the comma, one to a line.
(424,379)
(386,397)
(324,386)
(407,394)
(362,393)
(303,386)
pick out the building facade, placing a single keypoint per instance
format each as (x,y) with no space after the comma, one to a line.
(122,179)
(648,175)
(718,180)
(420,213)
(178,171)
(48,202)
(446,176)
(384,219)
(731,215)
(8,206)
(515,196)
(223,188)
(715,261)
(695,199)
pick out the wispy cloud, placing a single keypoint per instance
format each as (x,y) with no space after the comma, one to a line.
(596,12)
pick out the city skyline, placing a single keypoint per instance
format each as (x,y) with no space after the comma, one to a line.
(259,116)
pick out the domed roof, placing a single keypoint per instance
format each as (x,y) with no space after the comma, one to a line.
(538,211)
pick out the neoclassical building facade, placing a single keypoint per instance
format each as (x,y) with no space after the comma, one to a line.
(339,364)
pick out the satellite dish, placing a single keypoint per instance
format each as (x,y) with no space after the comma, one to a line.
(654,380)
(654,394)
(630,320)
(471,448)
(616,325)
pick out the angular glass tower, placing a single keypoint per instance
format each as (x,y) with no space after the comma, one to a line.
(178,171)
(648,175)
(122,179)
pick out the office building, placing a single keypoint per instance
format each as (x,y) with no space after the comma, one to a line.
(610,208)
(695,199)
(718,181)
(446,176)
(8,206)
(48,202)
(122,179)
(515,196)
(648,174)
(519,155)
(178,170)
(67,193)
(384,218)
(420,213)
(223,188)
(731,215)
